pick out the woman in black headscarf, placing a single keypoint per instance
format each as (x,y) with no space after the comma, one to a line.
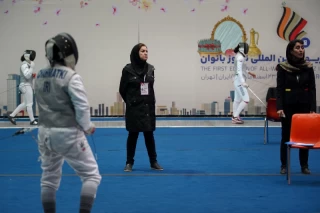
(136,89)
(296,93)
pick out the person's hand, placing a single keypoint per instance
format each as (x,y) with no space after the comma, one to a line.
(245,85)
(252,74)
(91,130)
(33,75)
(280,113)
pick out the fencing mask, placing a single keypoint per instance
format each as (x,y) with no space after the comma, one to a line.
(28,55)
(242,47)
(62,49)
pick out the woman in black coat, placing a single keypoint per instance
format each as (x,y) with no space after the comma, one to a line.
(136,89)
(296,93)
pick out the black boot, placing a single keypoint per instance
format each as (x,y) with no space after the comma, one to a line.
(305,170)
(283,170)
(128,168)
(156,166)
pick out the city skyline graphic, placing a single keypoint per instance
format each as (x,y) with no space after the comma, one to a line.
(117,108)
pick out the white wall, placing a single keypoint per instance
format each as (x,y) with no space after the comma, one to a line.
(172,38)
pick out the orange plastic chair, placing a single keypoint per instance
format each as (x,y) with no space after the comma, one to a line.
(304,134)
(271,115)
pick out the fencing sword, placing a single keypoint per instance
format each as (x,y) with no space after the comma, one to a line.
(8,89)
(282,115)
(256,97)
(261,82)
(20,132)
(24,130)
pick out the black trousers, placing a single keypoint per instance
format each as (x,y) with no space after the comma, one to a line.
(289,111)
(150,145)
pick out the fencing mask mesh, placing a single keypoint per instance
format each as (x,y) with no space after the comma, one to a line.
(28,55)
(62,49)
(244,48)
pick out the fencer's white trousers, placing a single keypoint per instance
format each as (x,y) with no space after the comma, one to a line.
(240,93)
(27,95)
(27,92)
(70,144)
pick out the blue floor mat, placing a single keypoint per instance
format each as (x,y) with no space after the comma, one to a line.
(205,170)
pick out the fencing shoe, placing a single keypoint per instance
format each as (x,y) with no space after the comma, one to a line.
(34,122)
(12,120)
(236,120)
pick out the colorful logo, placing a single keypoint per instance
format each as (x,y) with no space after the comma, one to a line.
(291,25)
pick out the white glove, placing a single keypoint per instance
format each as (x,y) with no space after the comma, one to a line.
(244,84)
(91,130)
(32,64)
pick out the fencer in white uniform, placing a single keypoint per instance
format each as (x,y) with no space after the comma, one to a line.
(26,86)
(64,122)
(241,96)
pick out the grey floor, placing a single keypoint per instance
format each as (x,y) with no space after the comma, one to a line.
(161,123)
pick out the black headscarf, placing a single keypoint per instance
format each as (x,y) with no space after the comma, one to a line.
(294,64)
(139,65)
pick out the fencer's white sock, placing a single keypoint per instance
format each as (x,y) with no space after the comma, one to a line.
(48,197)
(235,107)
(30,113)
(88,195)
(241,106)
(18,109)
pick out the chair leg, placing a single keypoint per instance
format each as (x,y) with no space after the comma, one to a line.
(288,164)
(265,130)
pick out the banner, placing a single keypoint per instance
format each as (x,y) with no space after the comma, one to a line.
(267,35)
